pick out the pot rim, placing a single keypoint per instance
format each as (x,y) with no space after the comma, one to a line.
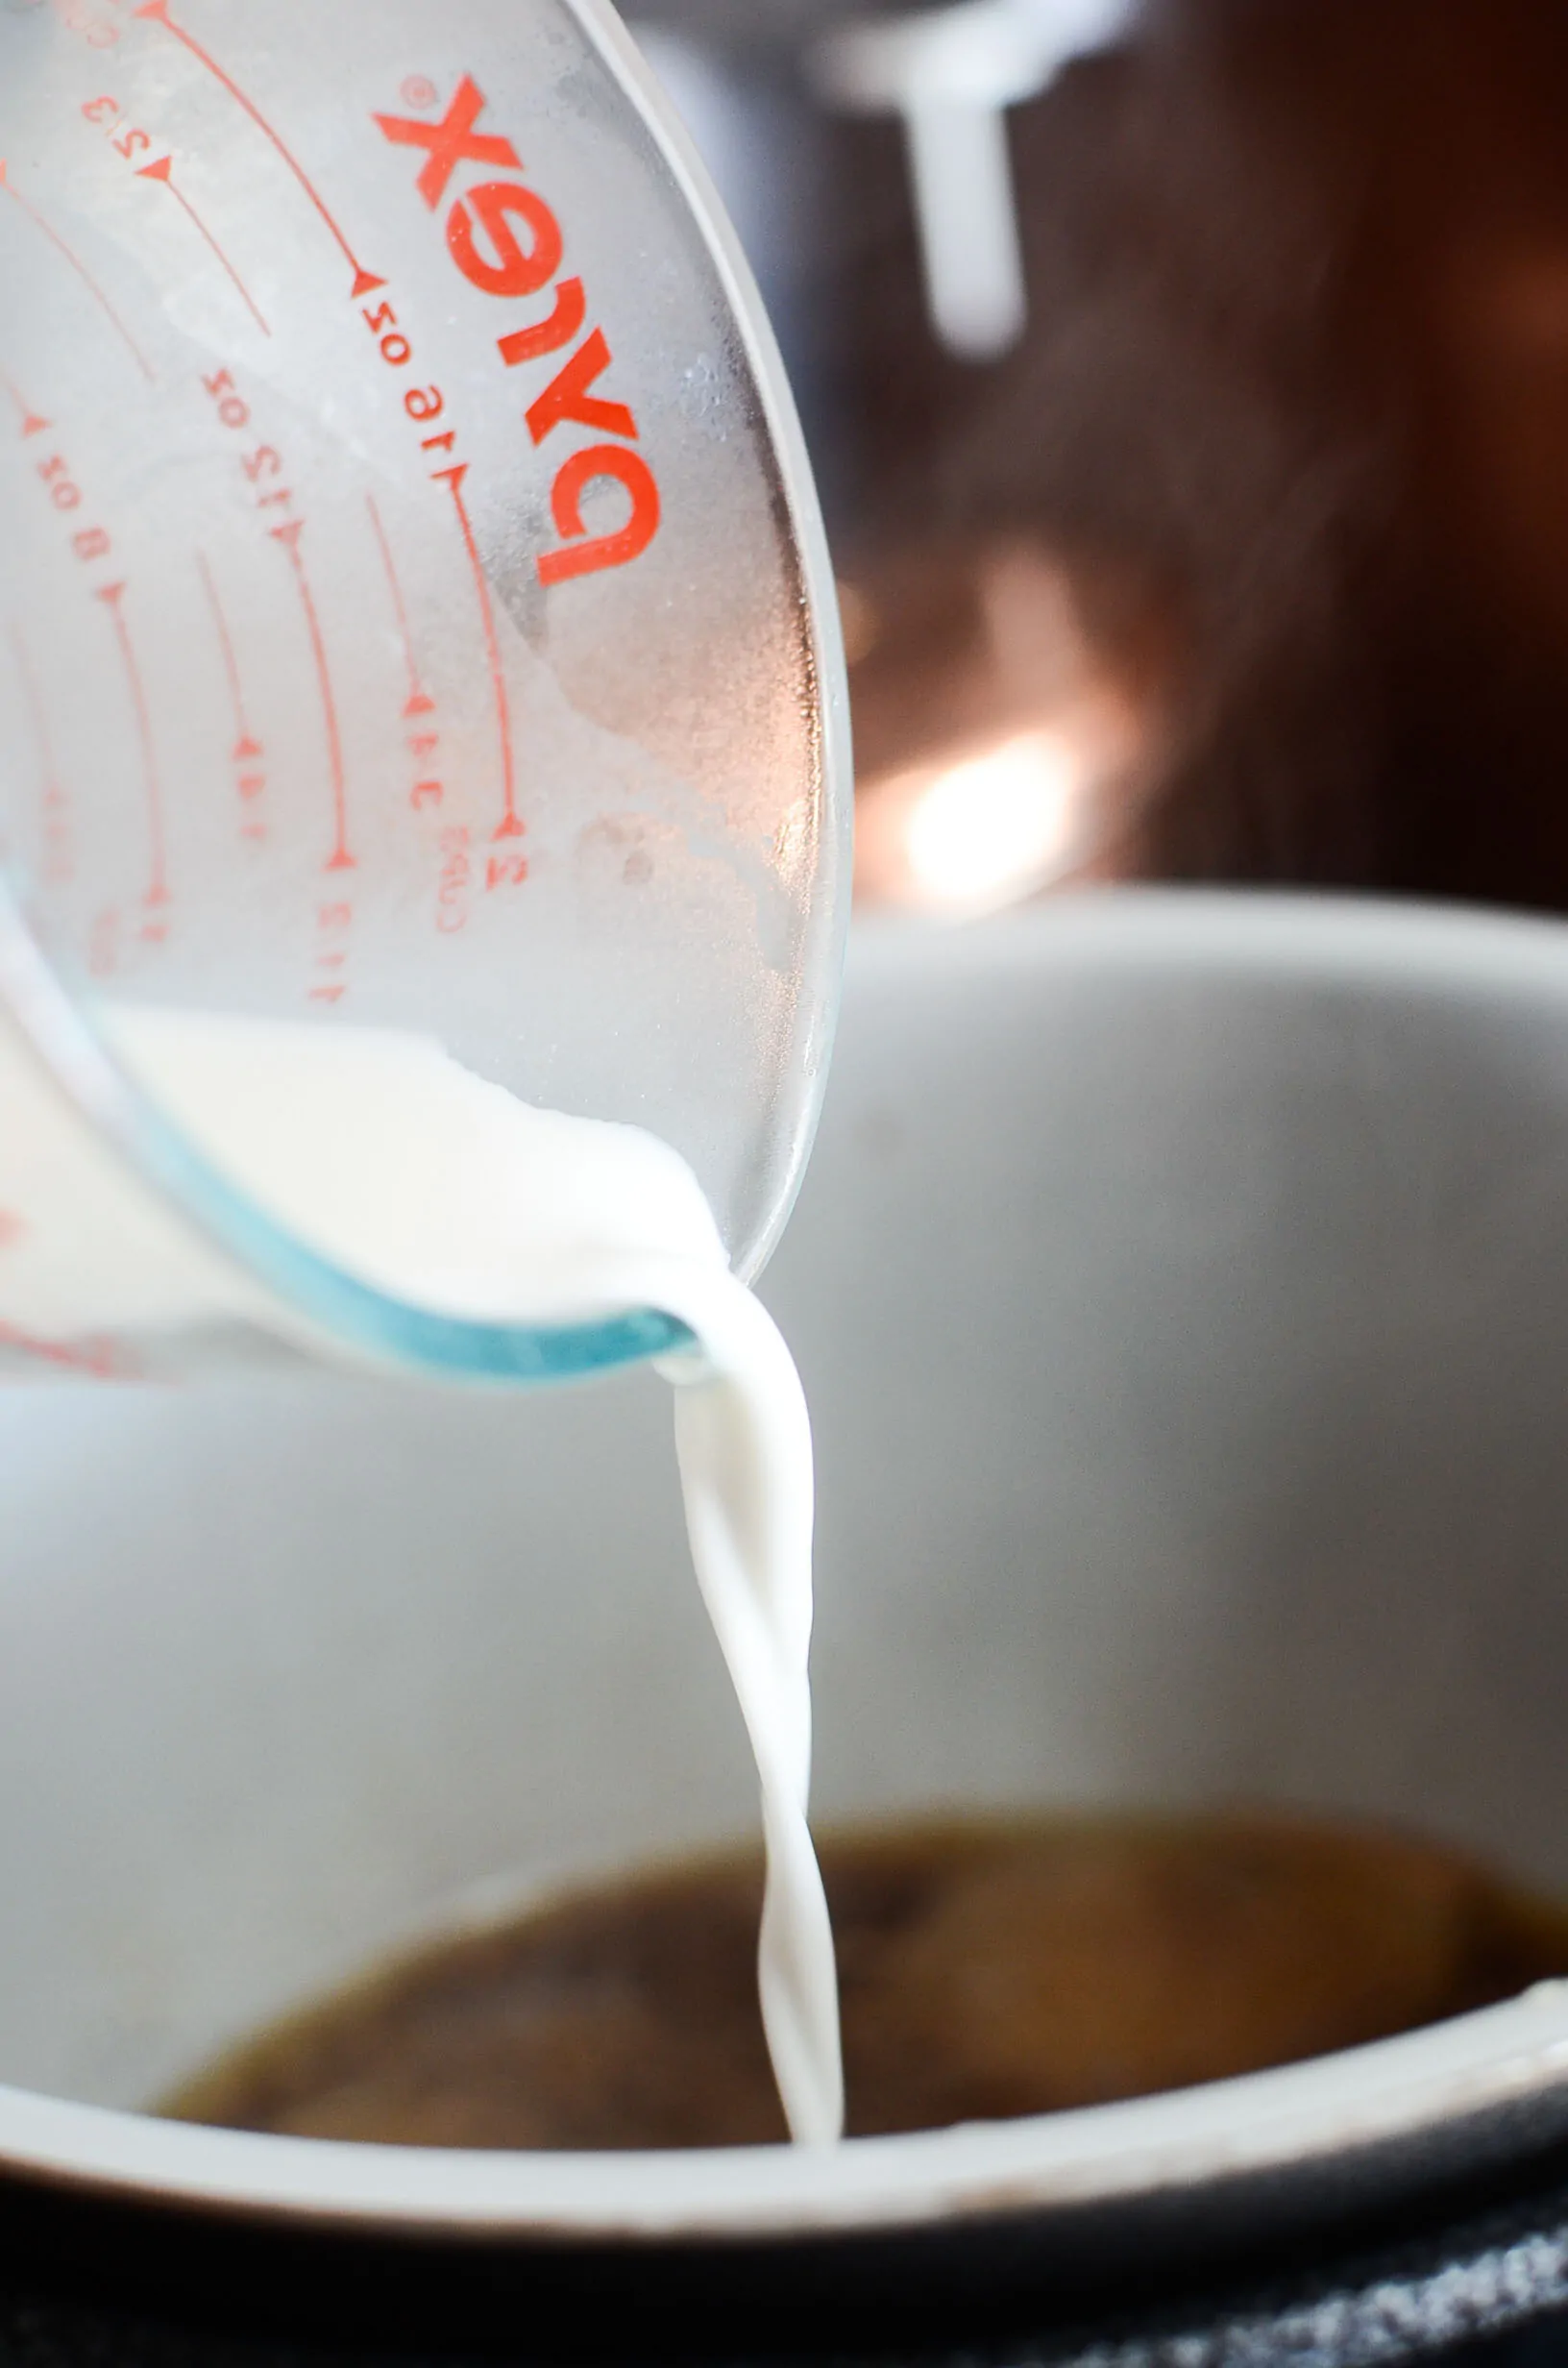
(1389,2093)
(1397,2093)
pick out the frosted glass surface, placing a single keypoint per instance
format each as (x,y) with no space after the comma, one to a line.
(411,587)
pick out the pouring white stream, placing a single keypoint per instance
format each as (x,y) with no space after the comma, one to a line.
(419,1177)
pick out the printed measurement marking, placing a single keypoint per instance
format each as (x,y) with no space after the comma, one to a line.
(33,422)
(80,268)
(98,32)
(246,745)
(260,468)
(510,826)
(247,752)
(130,143)
(163,171)
(112,597)
(422,742)
(424,405)
(88,543)
(266,463)
(157,11)
(99,1358)
(333,924)
(59,865)
(419,701)
(340,859)
(456,878)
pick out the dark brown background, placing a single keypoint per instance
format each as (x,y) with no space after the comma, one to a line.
(1291,417)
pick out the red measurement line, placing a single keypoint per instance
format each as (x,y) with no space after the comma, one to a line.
(246,745)
(419,701)
(99,1358)
(78,266)
(158,10)
(41,732)
(340,859)
(33,422)
(163,171)
(510,826)
(112,597)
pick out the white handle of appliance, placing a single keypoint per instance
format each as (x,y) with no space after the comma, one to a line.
(951,73)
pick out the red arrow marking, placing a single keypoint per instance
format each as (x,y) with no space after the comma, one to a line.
(419,701)
(158,11)
(33,422)
(246,747)
(112,597)
(510,826)
(79,267)
(340,859)
(163,171)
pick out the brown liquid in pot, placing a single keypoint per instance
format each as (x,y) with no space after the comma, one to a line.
(987,1969)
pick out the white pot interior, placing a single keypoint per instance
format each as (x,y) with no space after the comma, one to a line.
(1179,1290)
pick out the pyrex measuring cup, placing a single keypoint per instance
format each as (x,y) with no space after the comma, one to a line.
(413,613)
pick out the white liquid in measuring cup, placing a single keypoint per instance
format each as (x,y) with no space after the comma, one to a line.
(422,1178)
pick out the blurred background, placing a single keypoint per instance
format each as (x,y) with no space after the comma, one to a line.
(1187,385)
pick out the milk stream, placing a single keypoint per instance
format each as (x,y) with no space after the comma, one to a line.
(422,1178)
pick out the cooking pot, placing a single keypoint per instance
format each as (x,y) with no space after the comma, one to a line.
(1180,1290)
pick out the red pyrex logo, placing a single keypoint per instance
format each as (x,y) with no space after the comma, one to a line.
(507,243)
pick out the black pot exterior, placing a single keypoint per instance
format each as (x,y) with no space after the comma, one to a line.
(94,2281)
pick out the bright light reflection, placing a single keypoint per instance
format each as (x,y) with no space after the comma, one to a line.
(997,825)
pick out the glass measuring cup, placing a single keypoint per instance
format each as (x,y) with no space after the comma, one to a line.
(415,615)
